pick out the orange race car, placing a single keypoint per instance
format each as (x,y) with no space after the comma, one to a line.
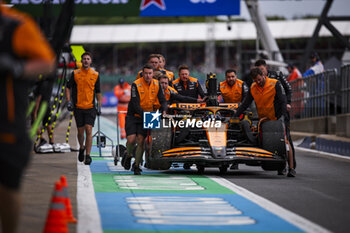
(208,135)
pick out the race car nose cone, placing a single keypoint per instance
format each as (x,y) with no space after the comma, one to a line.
(219,152)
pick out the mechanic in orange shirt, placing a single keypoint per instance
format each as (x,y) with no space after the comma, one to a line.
(232,89)
(85,85)
(24,55)
(186,85)
(168,73)
(270,103)
(146,96)
(153,60)
(262,65)
(123,92)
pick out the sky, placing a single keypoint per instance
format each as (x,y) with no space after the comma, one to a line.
(298,8)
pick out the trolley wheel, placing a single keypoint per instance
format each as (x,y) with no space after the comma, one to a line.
(223,169)
(121,149)
(200,169)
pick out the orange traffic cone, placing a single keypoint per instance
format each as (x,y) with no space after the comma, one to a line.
(67,202)
(56,221)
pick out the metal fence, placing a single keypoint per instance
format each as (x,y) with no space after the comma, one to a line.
(315,95)
(345,88)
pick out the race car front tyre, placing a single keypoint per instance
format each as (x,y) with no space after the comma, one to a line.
(273,140)
(160,141)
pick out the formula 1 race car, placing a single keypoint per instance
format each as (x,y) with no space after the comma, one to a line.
(208,135)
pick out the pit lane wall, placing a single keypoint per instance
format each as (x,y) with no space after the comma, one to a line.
(329,134)
(321,103)
(338,125)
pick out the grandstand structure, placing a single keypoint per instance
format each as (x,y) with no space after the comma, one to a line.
(122,49)
(215,46)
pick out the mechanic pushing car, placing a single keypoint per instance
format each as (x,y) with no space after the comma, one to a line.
(270,103)
(261,64)
(232,89)
(153,61)
(171,95)
(168,73)
(186,85)
(146,95)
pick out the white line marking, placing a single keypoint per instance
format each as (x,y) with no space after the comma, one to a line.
(285,214)
(159,183)
(89,220)
(194,211)
(325,154)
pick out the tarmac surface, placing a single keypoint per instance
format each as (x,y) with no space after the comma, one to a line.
(319,193)
(38,182)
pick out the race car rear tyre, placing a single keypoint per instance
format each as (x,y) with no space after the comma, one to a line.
(160,141)
(273,140)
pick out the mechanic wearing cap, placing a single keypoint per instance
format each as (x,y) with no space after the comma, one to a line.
(146,96)
(153,60)
(261,64)
(171,94)
(123,92)
(24,55)
(270,103)
(84,83)
(317,66)
(186,85)
(168,73)
(232,90)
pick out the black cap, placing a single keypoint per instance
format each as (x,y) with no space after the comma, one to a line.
(314,55)
(121,81)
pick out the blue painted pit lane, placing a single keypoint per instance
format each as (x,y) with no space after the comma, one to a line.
(116,215)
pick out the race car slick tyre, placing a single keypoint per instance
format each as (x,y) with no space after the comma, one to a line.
(272,139)
(160,141)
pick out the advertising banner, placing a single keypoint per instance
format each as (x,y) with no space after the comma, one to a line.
(144,8)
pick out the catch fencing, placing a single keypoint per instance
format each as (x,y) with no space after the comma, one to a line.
(323,94)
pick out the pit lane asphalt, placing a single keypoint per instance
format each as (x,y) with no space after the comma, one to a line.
(319,193)
(39,179)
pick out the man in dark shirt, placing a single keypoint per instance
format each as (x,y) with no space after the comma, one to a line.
(186,85)
(24,55)
(171,95)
